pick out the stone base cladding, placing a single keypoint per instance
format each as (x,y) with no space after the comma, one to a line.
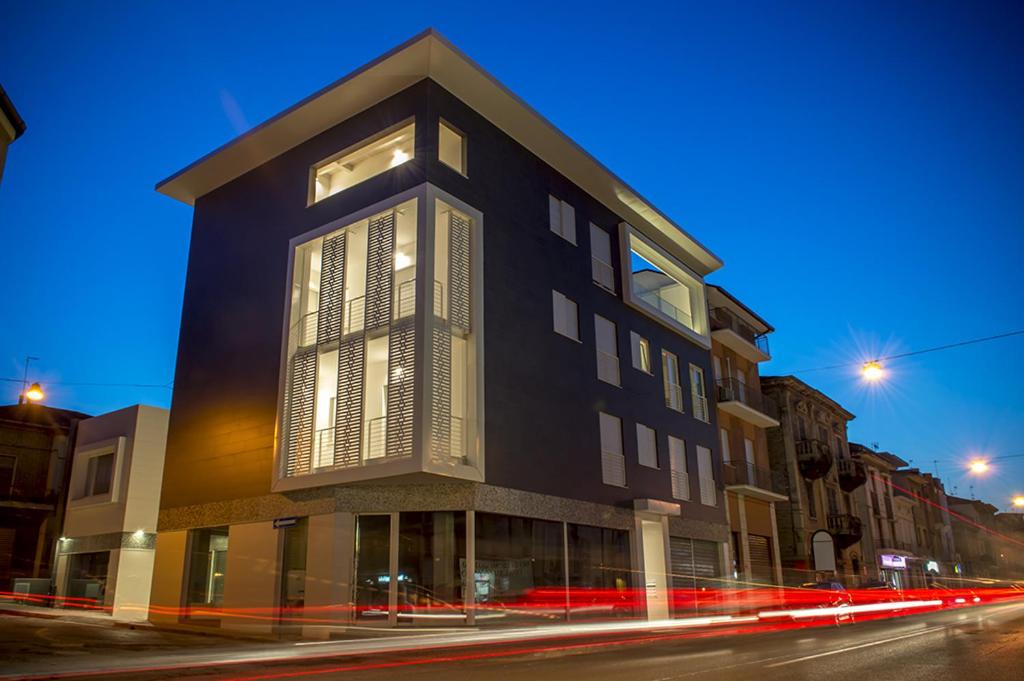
(450,496)
(698,529)
(111,541)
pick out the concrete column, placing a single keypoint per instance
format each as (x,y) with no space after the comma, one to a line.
(62,561)
(167,592)
(741,506)
(132,584)
(393,571)
(253,578)
(776,553)
(329,563)
(470,597)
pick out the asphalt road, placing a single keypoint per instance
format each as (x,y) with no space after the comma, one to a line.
(984,642)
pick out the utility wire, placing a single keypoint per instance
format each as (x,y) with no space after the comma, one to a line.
(169,384)
(915,352)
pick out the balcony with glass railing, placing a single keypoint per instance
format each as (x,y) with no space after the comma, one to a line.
(746,402)
(731,331)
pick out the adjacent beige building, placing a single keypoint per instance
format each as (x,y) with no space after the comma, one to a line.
(105,556)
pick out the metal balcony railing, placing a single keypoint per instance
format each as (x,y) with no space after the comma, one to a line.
(681,485)
(724,318)
(405,300)
(304,330)
(746,473)
(458,438)
(814,458)
(355,315)
(674,396)
(852,474)
(700,407)
(323,448)
(846,528)
(377,437)
(731,389)
(708,492)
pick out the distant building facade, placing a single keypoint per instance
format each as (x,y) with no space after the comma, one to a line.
(105,554)
(934,550)
(35,457)
(819,526)
(12,126)
(975,535)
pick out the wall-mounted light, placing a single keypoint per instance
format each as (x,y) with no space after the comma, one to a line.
(402,261)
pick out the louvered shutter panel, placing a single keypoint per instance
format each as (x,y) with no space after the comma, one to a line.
(332,289)
(459,234)
(379,270)
(302,382)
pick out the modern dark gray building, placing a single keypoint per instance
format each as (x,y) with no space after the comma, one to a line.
(436,363)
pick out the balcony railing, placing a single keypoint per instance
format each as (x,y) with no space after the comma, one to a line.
(304,330)
(405,301)
(852,474)
(377,438)
(323,448)
(708,492)
(654,299)
(608,368)
(613,469)
(700,408)
(355,315)
(746,473)
(731,389)
(681,485)
(814,458)
(603,273)
(845,529)
(723,318)
(458,438)
(674,396)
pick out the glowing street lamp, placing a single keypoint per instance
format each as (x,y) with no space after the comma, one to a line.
(978,466)
(872,372)
(1018,501)
(34,393)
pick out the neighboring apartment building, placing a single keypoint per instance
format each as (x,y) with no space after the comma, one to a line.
(11,127)
(819,526)
(975,535)
(433,356)
(935,554)
(35,448)
(105,554)
(1009,547)
(739,342)
(883,559)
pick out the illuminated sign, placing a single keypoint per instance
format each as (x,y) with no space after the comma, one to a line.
(932,566)
(890,560)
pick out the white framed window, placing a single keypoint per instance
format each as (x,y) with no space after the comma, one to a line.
(641,351)
(451,147)
(673,389)
(601,258)
(716,366)
(566,315)
(724,436)
(751,462)
(662,287)
(677,468)
(646,446)
(607,350)
(699,393)
(358,163)
(563,219)
(613,463)
(706,474)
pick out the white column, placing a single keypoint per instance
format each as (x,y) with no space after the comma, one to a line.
(329,563)
(167,593)
(132,583)
(776,555)
(253,577)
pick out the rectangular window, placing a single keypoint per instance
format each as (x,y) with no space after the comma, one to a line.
(607,350)
(833,500)
(99,474)
(812,505)
(613,463)
(646,446)
(663,287)
(563,219)
(369,158)
(641,350)
(706,473)
(451,147)
(716,366)
(699,393)
(601,258)
(677,464)
(751,462)
(566,316)
(207,570)
(673,390)
(724,436)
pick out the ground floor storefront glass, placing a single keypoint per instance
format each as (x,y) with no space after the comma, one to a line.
(87,579)
(207,572)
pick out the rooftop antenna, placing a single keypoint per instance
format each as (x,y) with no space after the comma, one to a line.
(874,446)
(24,381)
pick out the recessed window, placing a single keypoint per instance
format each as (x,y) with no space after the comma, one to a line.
(372,157)
(677,466)
(601,258)
(664,288)
(566,316)
(613,463)
(706,473)
(99,475)
(699,393)
(641,350)
(646,446)
(607,350)
(563,219)
(451,147)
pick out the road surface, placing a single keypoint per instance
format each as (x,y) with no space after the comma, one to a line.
(982,642)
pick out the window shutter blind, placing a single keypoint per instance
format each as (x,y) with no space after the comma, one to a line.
(568,222)
(555,214)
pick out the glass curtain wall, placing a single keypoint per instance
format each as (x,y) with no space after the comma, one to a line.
(431,567)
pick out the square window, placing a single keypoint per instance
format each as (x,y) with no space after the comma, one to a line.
(451,147)
(99,475)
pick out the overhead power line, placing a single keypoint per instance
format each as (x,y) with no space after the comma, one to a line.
(912,353)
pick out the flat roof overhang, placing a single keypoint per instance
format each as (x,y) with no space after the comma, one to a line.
(430,55)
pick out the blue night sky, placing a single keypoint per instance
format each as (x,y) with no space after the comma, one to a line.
(859,167)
